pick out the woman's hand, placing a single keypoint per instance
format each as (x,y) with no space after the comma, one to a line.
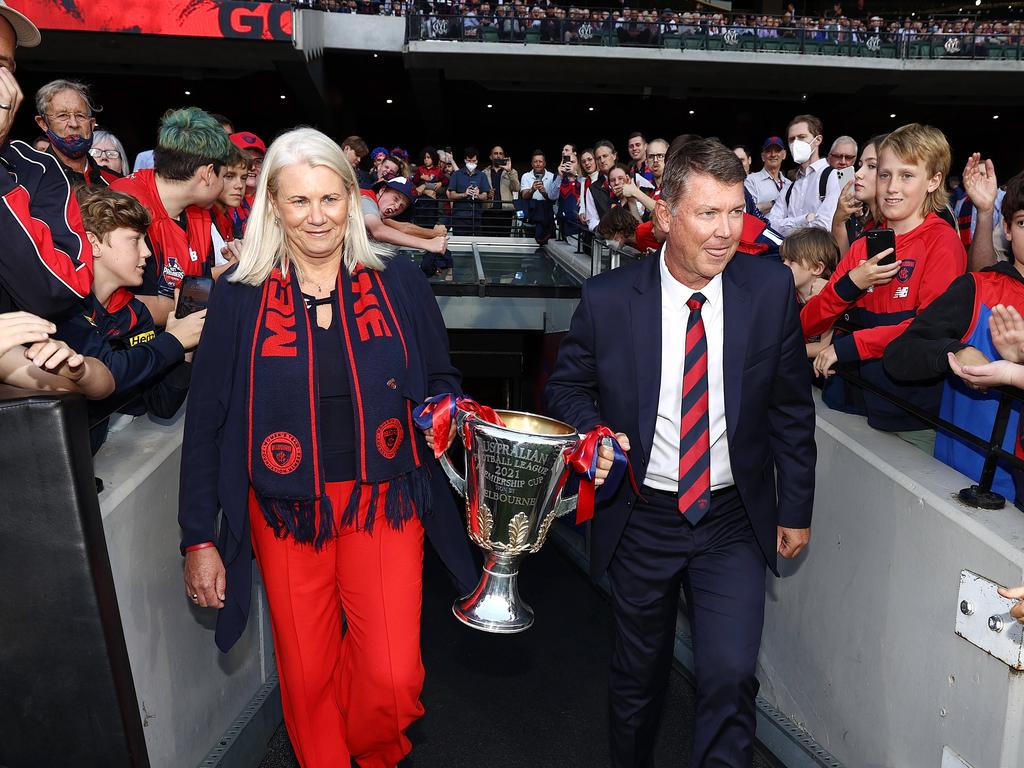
(981,377)
(825,360)
(1007,328)
(205,578)
(19,328)
(231,251)
(56,357)
(848,205)
(428,433)
(869,272)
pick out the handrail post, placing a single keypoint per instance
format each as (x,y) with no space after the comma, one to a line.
(981,495)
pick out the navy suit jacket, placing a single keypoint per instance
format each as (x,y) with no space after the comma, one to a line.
(609,372)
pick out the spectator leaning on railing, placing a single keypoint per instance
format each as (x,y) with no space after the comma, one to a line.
(913,162)
(970,324)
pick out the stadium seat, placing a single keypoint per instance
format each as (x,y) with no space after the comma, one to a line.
(694,42)
(995,51)
(829,49)
(673,41)
(887,50)
(611,39)
(488,35)
(771,44)
(918,50)
(532,36)
(791,46)
(715,43)
(748,44)
(812,46)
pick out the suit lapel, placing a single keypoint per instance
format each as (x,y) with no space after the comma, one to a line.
(645,328)
(737,323)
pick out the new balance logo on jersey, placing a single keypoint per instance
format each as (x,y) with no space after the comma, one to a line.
(902,293)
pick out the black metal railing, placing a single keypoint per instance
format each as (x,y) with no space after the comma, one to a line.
(865,43)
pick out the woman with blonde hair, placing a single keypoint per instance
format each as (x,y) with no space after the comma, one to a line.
(300,428)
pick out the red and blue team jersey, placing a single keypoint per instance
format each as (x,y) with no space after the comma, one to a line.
(180,247)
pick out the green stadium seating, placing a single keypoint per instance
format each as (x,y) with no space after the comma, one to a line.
(532,36)
(488,35)
(672,41)
(694,42)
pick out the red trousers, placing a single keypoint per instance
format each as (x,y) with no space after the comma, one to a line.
(350,696)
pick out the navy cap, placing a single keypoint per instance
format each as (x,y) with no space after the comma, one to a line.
(773,141)
(401,186)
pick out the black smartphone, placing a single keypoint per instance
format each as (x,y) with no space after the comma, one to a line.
(566,159)
(194,295)
(879,240)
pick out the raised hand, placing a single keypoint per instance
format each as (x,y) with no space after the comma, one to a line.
(1007,328)
(980,182)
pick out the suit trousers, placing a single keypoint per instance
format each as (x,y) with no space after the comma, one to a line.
(348,696)
(721,570)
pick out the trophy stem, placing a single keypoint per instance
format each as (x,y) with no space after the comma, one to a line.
(495,605)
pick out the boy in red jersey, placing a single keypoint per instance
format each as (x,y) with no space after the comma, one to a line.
(882,300)
(178,192)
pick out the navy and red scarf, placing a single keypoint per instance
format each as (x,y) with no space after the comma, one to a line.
(285,467)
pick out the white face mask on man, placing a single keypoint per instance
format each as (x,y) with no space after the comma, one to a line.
(801,151)
(470,167)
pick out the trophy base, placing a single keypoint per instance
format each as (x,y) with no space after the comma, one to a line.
(495,606)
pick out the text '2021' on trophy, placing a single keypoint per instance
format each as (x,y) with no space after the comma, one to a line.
(513,489)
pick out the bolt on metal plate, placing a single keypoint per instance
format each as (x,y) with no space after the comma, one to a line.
(983,619)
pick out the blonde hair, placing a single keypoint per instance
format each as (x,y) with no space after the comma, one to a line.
(916,143)
(264,248)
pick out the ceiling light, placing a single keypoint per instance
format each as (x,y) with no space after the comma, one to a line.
(691,111)
(490,106)
(995,117)
(590,109)
(188,93)
(389,101)
(892,114)
(282,96)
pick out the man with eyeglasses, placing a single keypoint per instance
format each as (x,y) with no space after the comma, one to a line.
(64,111)
(656,151)
(843,153)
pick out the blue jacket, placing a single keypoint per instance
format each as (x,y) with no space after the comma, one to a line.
(214,473)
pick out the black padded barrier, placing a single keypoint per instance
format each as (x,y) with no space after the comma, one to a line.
(66,691)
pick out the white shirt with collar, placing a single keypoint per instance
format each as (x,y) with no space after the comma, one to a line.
(663,469)
(551,184)
(763,187)
(804,199)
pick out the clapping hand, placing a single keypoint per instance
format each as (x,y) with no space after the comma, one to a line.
(1007,328)
(980,182)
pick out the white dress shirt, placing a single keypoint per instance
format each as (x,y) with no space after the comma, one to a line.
(804,199)
(550,181)
(763,187)
(663,470)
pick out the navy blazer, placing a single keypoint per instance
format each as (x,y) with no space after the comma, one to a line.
(214,464)
(609,372)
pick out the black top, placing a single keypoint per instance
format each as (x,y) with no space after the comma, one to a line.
(337,423)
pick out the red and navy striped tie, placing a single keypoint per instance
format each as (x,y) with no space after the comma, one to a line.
(694,426)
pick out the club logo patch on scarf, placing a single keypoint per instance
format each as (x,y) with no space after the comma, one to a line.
(389,438)
(281,452)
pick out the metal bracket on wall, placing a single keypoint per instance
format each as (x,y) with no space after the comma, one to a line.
(983,619)
(951,759)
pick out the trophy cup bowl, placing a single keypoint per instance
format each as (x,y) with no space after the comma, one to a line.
(513,486)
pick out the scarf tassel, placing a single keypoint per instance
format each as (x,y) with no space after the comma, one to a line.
(298,518)
(405,495)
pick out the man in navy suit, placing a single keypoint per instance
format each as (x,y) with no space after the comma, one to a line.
(696,359)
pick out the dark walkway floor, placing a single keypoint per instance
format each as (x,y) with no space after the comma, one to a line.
(533,700)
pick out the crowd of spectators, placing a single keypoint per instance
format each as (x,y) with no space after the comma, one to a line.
(98,251)
(645,26)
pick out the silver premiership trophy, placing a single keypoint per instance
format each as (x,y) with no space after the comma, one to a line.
(513,490)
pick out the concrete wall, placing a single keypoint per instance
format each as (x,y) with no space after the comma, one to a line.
(859,646)
(188,692)
(315,30)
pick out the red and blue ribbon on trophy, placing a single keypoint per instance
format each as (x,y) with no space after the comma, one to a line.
(583,461)
(438,413)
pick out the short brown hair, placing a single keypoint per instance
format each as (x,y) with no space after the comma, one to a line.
(104,210)
(814,125)
(708,157)
(357,145)
(916,143)
(235,158)
(810,246)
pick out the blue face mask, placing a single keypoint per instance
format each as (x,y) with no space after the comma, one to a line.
(74,146)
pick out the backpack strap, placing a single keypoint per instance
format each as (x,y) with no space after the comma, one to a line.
(823,182)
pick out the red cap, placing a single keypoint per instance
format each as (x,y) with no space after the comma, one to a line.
(246,140)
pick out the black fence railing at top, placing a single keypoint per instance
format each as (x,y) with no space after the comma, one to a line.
(865,43)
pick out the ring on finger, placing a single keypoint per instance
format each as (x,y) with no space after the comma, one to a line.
(5,106)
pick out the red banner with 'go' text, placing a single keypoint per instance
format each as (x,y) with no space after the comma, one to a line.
(189,18)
